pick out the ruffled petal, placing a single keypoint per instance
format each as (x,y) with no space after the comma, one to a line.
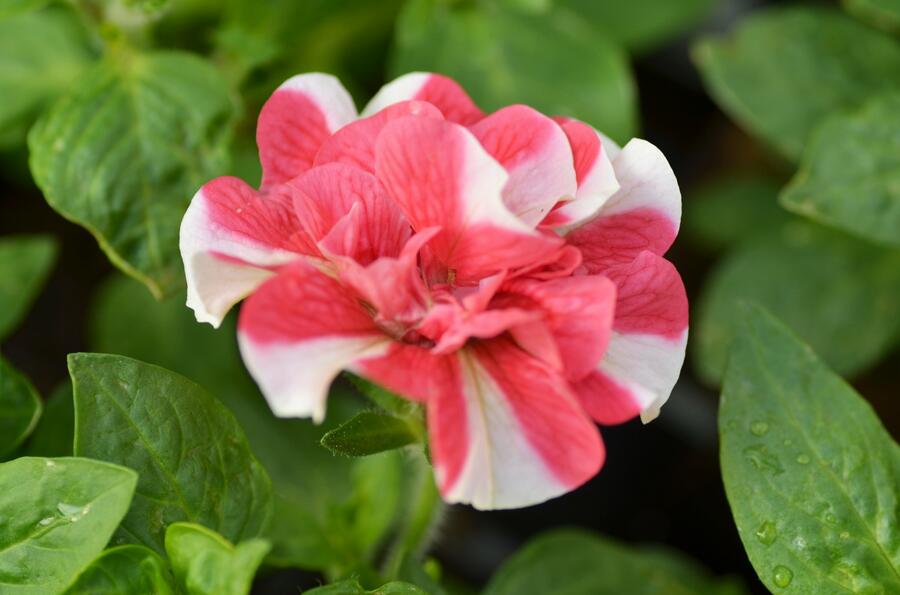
(536,154)
(644,214)
(295,121)
(442,92)
(231,240)
(509,433)
(440,176)
(297,332)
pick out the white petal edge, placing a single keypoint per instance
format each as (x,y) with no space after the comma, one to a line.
(402,88)
(327,92)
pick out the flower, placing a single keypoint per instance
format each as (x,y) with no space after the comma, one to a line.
(505,270)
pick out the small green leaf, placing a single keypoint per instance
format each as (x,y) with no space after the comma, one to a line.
(837,292)
(502,56)
(205,563)
(731,210)
(41,55)
(640,25)
(577,562)
(387,400)
(352,587)
(58,514)
(884,14)
(55,432)
(853,184)
(191,454)
(125,570)
(367,433)
(20,408)
(123,153)
(785,69)
(25,263)
(812,476)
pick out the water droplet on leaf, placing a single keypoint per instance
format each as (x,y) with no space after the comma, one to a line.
(803,459)
(782,576)
(767,533)
(759,428)
(760,457)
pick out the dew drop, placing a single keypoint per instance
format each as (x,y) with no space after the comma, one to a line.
(803,459)
(767,533)
(71,512)
(788,442)
(45,521)
(830,518)
(759,428)
(760,457)
(845,535)
(50,463)
(782,576)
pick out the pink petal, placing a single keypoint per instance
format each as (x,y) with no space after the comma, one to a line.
(354,144)
(295,121)
(605,400)
(297,332)
(231,239)
(643,215)
(594,171)
(536,154)
(514,435)
(412,371)
(346,209)
(440,176)
(646,351)
(442,92)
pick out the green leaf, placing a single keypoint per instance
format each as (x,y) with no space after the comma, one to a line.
(640,25)
(20,408)
(576,562)
(58,514)
(884,14)
(853,184)
(25,263)
(352,587)
(367,433)
(385,399)
(191,454)
(41,55)
(731,210)
(837,292)
(812,476)
(207,564)
(785,69)
(125,570)
(55,432)
(317,502)
(555,62)
(123,153)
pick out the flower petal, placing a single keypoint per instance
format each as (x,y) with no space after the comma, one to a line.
(442,92)
(297,332)
(646,351)
(231,238)
(513,434)
(295,121)
(354,144)
(440,176)
(643,215)
(536,154)
(595,174)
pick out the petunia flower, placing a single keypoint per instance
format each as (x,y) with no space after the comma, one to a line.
(504,270)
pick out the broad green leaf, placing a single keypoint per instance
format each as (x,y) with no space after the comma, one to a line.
(641,24)
(25,263)
(853,184)
(123,153)
(576,562)
(58,514)
(193,459)
(125,570)
(837,292)
(315,503)
(367,433)
(884,14)
(785,69)
(352,587)
(731,210)
(55,432)
(812,476)
(41,55)
(555,62)
(20,408)
(205,563)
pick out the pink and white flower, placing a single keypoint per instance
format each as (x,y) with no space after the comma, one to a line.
(505,270)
